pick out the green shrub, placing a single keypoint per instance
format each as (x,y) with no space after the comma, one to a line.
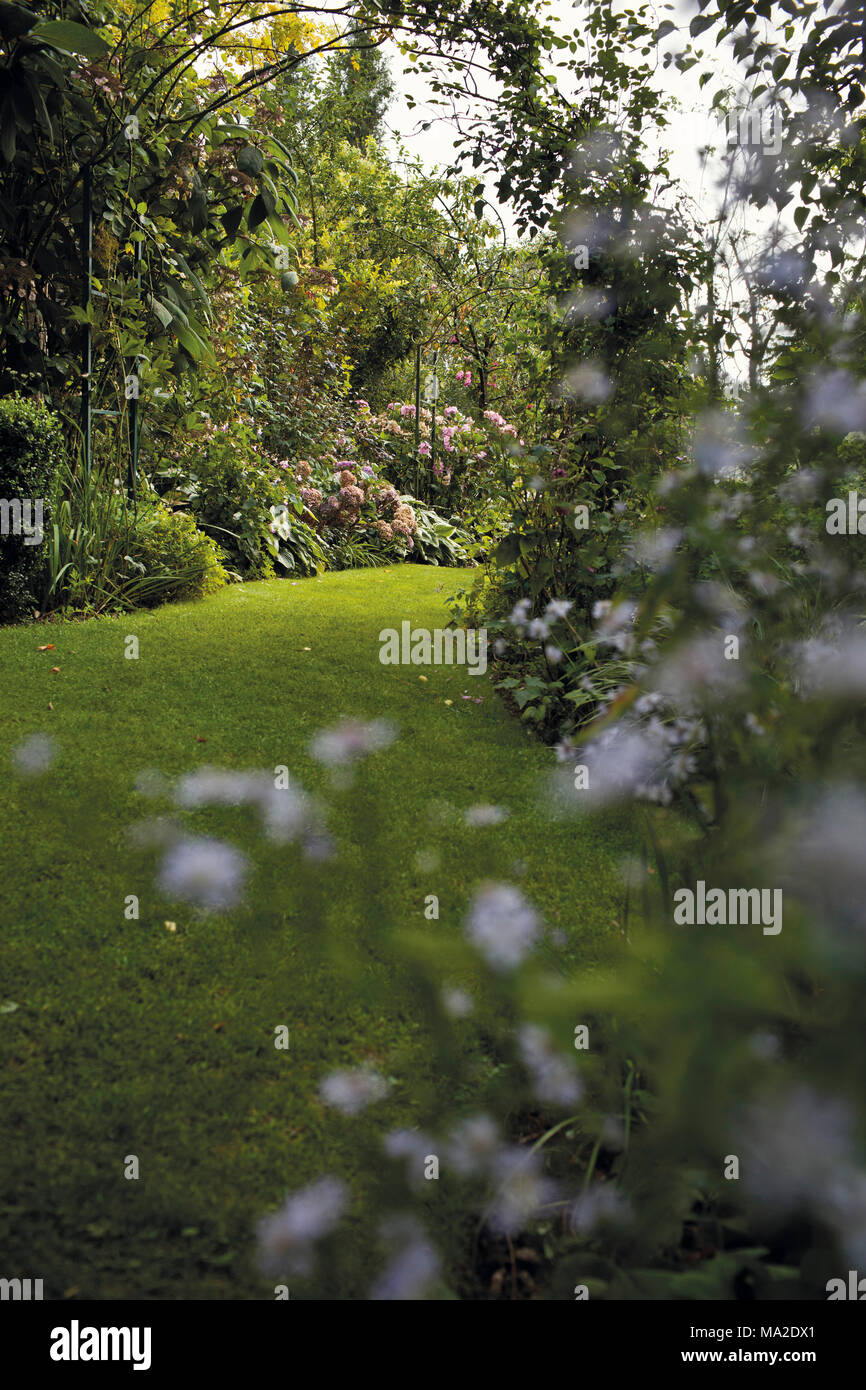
(170,544)
(31,446)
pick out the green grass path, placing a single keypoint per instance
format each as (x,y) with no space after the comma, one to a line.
(129,1038)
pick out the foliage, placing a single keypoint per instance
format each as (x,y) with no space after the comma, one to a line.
(106,554)
(31,449)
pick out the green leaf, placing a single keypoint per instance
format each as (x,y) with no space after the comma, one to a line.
(258,212)
(15,20)
(70,37)
(231,221)
(250,161)
(7,135)
(508,550)
(163,314)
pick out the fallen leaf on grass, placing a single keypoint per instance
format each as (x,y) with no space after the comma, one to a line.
(199,738)
(55,668)
(49,647)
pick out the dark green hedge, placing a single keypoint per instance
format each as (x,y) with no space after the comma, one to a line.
(31,446)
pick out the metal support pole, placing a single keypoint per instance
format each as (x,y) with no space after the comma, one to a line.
(133,404)
(87,275)
(433,425)
(417,414)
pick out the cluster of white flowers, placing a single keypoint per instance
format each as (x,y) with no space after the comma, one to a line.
(797,1158)
(352,1090)
(554,1076)
(522,1190)
(412,1269)
(832,664)
(287,1238)
(539,628)
(503,925)
(352,740)
(207,873)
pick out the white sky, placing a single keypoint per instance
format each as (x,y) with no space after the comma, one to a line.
(690,128)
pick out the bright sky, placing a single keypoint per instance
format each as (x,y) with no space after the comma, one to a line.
(691,126)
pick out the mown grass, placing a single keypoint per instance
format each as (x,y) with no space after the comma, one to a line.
(129,1038)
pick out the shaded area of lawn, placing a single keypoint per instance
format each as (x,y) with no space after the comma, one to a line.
(132,1039)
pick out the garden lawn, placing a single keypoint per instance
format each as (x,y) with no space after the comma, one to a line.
(121,1037)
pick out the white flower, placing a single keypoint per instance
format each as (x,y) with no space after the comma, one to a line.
(554,1076)
(522,1190)
(35,755)
(351,740)
(558,608)
(286,1239)
(502,924)
(553,654)
(833,663)
(412,1269)
(211,786)
(473,1146)
(698,672)
(652,549)
(588,381)
(350,1091)
(287,813)
(836,400)
(519,616)
(720,449)
(793,1147)
(415,1148)
(601,1205)
(205,872)
(537,629)
(824,865)
(565,750)
(457,1003)
(485,815)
